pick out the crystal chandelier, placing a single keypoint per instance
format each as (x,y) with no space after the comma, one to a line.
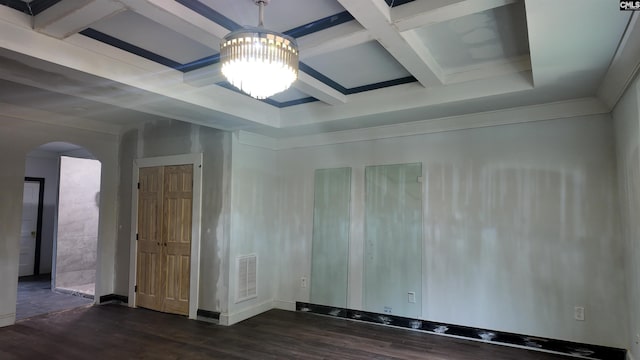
(258,61)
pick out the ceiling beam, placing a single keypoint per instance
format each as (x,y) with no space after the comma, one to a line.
(211,75)
(333,39)
(319,90)
(375,16)
(179,19)
(410,100)
(69,17)
(417,14)
(187,15)
(205,76)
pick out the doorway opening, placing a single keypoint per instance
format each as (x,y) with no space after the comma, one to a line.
(58,245)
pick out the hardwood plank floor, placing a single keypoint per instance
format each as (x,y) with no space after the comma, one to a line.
(118,332)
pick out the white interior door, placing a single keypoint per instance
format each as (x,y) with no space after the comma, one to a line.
(29,227)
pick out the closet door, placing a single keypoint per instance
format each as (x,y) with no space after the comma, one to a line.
(176,235)
(150,183)
(165,198)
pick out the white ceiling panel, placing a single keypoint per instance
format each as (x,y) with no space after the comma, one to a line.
(364,64)
(488,36)
(279,15)
(147,34)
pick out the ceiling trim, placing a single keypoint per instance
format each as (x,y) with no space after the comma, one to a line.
(17,5)
(38,6)
(355,90)
(269,101)
(394,3)
(32,8)
(210,14)
(319,25)
(46,117)
(123,45)
(624,66)
(524,114)
(321,91)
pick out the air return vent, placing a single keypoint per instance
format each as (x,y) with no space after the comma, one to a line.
(246,269)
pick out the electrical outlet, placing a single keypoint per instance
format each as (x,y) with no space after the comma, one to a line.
(387,310)
(412,297)
(578,313)
(303,282)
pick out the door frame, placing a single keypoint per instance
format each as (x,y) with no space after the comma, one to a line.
(36,260)
(196,219)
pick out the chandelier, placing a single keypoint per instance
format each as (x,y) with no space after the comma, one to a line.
(258,61)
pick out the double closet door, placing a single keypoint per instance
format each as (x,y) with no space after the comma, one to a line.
(165,197)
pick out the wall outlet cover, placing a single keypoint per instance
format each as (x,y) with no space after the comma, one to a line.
(578,313)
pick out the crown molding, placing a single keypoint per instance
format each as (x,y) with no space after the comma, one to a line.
(624,66)
(540,112)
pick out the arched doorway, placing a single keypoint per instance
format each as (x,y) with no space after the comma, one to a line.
(58,249)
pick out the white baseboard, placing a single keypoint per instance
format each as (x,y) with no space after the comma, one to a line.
(7,319)
(284,305)
(230,319)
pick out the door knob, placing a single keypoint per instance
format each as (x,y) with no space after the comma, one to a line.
(33,234)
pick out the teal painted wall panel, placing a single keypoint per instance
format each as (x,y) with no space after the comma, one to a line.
(393,239)
(330,247)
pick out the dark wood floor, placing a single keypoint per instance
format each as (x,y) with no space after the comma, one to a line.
(118,332)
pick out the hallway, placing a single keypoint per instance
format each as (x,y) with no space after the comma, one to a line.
(36,298)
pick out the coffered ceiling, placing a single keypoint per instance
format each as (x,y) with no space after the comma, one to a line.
(363,62)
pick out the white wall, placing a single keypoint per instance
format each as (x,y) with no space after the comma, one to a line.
(254,226)
(627,129)
(18,137)
(520,225)
(45,165)
(165,138)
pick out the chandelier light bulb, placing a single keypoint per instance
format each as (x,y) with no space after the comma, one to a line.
(259,62)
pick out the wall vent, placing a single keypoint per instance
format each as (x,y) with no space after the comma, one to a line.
(247,266)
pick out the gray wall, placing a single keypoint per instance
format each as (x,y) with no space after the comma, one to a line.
(166,138)
(78,215)
(45,165)
(520,225)
(255,224)
(627,126)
